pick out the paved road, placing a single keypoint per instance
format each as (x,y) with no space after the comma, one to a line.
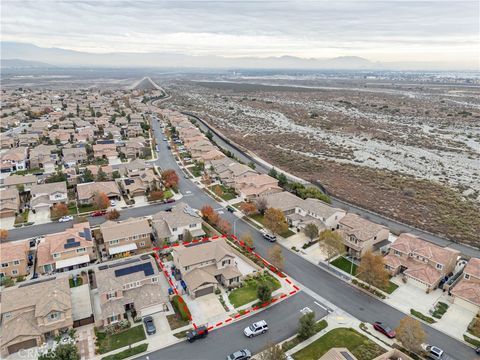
(282,320)
(394,226)
(317,281)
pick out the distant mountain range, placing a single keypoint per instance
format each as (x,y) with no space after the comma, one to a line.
(27,55)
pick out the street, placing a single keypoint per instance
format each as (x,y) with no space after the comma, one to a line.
(319,284)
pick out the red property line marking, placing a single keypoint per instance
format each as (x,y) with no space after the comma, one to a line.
(255,308)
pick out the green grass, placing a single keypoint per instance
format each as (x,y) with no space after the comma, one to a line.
(259,218)
(440,310)
(175,321)
(127,353)
(419,315)
(108,343)
(228,193)
(471,340)
(345,265)
(182,334)
(22,218)
(359,345)
(391,287)
(79,282)
(248,292)
(319,326)
(86,208)
(167,194)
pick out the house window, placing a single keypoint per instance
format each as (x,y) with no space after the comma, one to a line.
(56,255)
(54,316)
(192,226)
(155,279)
(142,243)
(113,318)
(439,266)
(16,262)
(113,242)
(111,295)
(14,272)
(467,276)
(4,265)
(225,262)
(396,252)
(81,250)
(174,229)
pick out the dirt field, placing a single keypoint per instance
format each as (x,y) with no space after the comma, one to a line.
(411,152)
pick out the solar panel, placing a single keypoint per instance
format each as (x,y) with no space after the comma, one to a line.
(88,234)
(70,240)
(145,267)
(346,355)
(70,245)
(121,263)
(103,267)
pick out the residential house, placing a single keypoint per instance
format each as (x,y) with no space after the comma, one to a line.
(66,250)
(150,179)
(74,156)
(107,169)
(133,187)
(345,354)
(35,312)
(44,196)
(421,262)
(134,148)
(173,225)
(253,186)
(22,182)
(105,151)
(14,258)
(299,212)
(361,235)
(14,159)
(134,130)
(6,141)
(126,237)
(27,139)
(87,191)
(9,202)
(41,155)
(132,168)
(131,285)
(206,265)
(227,170)
(466,292)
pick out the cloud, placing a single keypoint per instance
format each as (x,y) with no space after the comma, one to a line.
(380,30)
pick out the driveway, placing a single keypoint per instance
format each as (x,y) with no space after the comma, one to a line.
(41,216)
(408,296)
(7,222)
(140,201)
(206,309)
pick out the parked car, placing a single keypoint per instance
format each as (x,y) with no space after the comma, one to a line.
(149,325)
(384,329)
(199,333)
(169,201)
(164,139)
(257,328)
(113,203)
(270,237)
(240,355)
(66,218)
(477,350)
(98,213)
(231,209)
(432,352)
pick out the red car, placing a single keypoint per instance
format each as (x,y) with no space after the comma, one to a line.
(98,213)
(384,329)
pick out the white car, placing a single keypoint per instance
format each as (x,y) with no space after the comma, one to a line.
(257,328)
(66,218)
(113,203)
(433,352)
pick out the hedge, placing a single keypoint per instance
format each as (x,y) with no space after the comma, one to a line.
(181,307)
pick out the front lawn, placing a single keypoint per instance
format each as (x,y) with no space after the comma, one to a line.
(106,343)
(248,292)
(167,194)
(359,345)
(345,265)
(79,282)
(290,344)
(224,192)
(127,353)
(259,218)
(86,208)
(391,287)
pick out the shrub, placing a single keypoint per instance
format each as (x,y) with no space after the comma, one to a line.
(181,307)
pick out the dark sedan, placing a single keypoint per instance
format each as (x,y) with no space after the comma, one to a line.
(149,325)
(384,329)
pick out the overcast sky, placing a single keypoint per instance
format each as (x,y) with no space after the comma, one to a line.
(394,30)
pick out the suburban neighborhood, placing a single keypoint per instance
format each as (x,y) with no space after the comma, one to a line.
(135,260)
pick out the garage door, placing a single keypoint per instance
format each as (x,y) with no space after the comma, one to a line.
(22,345)
(417,283)
(466,305)
(204,291)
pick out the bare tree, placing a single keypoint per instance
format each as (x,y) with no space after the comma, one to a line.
(276,257)
(411,334)
(333,243)
(261,204)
